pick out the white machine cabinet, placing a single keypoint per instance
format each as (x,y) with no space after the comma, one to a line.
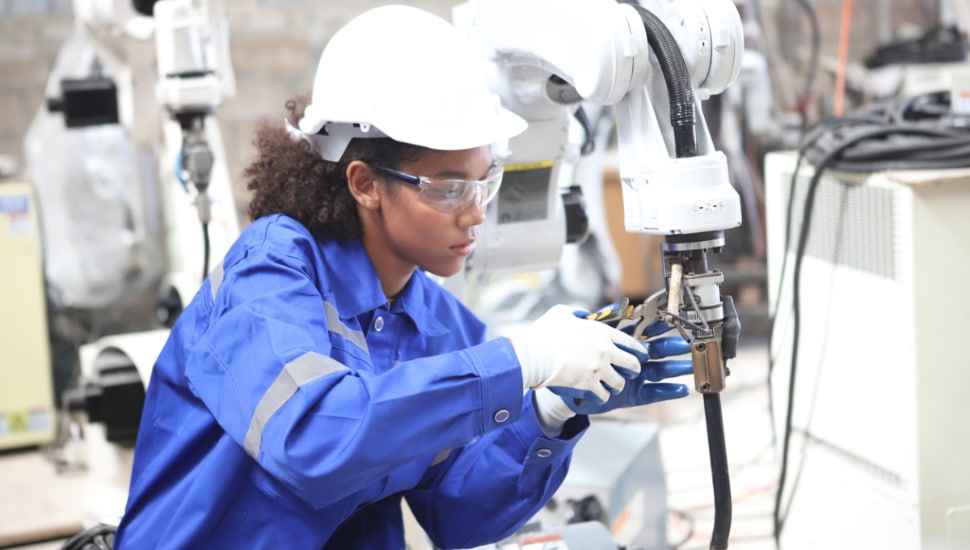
(27,413)
(880,448)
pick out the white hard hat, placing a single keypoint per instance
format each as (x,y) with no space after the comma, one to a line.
(407,74)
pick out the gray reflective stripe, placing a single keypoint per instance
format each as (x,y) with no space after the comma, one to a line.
(215,279)
(302,370)
(334,324)
(440,457)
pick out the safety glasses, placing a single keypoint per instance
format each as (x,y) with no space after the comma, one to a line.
(451,195)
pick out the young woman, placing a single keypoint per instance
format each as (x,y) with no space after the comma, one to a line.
(320,376)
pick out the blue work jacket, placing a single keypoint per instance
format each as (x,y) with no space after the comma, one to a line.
(293,407)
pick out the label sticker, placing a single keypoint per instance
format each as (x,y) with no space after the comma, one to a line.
(14,204)
(38,420)
(16,210)
(18,421)
(18,225)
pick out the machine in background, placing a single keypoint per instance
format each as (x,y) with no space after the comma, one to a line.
(879,391)
(136,208)
(27,410)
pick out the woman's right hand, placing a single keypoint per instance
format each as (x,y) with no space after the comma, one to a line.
(574,355)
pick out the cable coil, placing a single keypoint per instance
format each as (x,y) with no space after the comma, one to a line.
(917,132)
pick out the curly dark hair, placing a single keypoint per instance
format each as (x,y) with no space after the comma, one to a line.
(289,176)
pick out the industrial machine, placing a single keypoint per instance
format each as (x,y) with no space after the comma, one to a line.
(646,65)
(651,63)
(871,404)
(137,209)
(140,155)
(27,413)
(616,479)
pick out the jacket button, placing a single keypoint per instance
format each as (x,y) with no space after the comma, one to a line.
(544,453)
(501,416)
(379,324)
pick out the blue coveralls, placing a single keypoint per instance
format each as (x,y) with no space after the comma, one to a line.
(293,407)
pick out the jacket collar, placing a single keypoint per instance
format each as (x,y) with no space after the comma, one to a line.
(357,290)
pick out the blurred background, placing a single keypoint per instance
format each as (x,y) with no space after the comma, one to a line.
(803,60)
(877,433)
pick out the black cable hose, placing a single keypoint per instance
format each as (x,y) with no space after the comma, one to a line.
(98,537)
(683,119)
(938,45)
(719,471)
(809,140)
(589,133)
(809,201)
(796,322)
(918,133)
(683,114)
(796,319)
(206,247)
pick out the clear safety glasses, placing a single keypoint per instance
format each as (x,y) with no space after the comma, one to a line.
(451,195)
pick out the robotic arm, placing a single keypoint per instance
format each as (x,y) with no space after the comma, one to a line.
(652,63)
(188,85)
(194,75)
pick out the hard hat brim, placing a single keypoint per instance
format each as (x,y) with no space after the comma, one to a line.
(465,136)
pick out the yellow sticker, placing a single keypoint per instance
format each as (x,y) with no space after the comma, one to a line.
(18,421)
(528,165)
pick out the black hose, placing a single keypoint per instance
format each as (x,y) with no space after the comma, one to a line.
(98,537)
(589,139)
(683,114)
(680,91)
(719,471)
(683,119)
(206,248)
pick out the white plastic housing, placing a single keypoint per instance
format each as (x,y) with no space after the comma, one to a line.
(664,194)
(683,196)
(525,226)
(187,78)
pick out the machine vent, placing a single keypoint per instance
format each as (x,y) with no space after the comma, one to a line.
(852,224)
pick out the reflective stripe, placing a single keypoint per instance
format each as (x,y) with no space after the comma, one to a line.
(302,370)
(215,279)
(334,324)
(440,457)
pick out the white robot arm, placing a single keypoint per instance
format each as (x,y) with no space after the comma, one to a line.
(653,65)
(180,48)
(194,76)
(652,62)
(551,55)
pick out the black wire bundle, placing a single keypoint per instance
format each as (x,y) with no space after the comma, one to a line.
(918,132)
(98,537)
(938,45)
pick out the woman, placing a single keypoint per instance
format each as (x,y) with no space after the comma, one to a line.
(320,375)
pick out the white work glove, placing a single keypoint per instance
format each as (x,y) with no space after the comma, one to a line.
(561,350)
(551,411)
